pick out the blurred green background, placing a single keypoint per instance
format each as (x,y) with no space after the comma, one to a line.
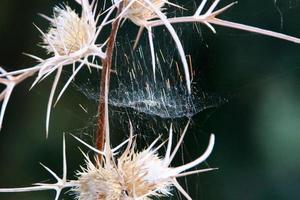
(257,131)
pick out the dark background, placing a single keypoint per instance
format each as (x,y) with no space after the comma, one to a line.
(257,130)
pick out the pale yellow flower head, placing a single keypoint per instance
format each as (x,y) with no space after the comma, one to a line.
(135,175)
(98,183)
(68,32)
(139,12)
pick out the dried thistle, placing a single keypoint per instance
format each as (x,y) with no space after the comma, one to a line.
(68,32)
(72,41)
(133,175)
(139,12)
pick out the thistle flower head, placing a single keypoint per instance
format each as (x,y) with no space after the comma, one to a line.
(143,174)
(134,177)
(135,174)
(68,32)
(139,12)
(98,183)
(72,41)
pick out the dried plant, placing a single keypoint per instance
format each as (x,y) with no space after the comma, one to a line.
(133,175)
(71,40)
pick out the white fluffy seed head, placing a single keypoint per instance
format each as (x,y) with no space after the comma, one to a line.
(98,183)
(136,175)
(140,12)
(145,175)
(68,32)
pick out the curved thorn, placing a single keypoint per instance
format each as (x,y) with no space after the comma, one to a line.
(64,158)
(199,160)
(177,42)
(178,143)
(212,7)
(68,82)
(150,37)
(221,10)
(8,92)
(138,37)
(210,27)
(178,186)
(51,172)
(195,172)
(200,8)
(87,145)
(168,152)
(120,145)
(52,92)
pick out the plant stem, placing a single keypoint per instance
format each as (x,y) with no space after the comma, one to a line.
(103,125)
(216,21)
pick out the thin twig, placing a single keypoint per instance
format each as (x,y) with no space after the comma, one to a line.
(103,126)
(210,17)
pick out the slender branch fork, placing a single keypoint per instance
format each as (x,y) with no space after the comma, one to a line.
(10,82)
(210,17)
(103,119)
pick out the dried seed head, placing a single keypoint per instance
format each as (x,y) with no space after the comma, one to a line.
(139,12)
(132,176)
(135,174)
(68,32)
(98,183)
(145,175)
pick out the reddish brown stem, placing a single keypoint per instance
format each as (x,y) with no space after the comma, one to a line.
(104,85)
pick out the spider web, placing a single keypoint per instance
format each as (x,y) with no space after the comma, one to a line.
(134,87)
(152,104)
